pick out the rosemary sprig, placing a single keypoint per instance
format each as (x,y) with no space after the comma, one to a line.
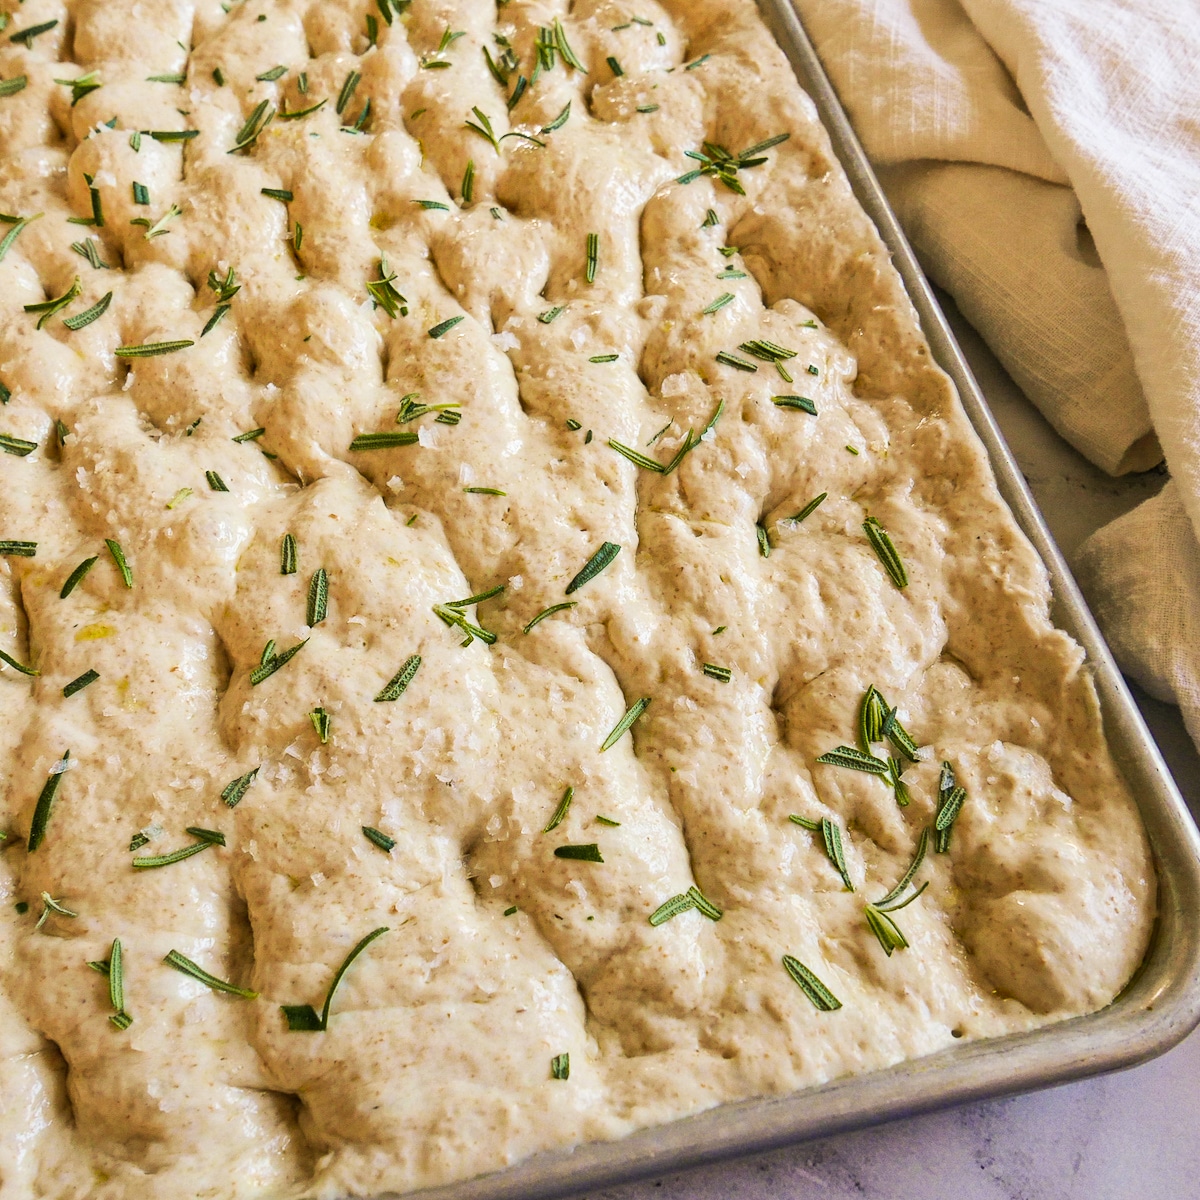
(233,791)
(318,598)
(583,853)
(854,759)
(716,161)
(881,543)
(822,998)
(45,803)
(692,898)
(594,565)
(878,913)
(384,293)
(118,557)
(274,662)
(547,612)
(634,711)
(303,1018)
(561,811)
(180,963)
(831,834)
(205,838)
(453,617)
(378,838)
(48,308)
(402,678)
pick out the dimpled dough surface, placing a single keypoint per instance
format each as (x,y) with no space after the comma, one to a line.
(436,1062)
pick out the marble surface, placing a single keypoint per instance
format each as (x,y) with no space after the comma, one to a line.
(1132,1134)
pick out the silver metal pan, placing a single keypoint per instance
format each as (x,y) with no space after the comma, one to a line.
(1158,1008)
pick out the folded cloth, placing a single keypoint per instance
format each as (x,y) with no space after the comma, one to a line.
(1044,156)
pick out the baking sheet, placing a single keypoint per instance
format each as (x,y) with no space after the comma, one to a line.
(1159,1007)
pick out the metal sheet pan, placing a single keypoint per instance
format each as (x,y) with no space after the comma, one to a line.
(1158,1008)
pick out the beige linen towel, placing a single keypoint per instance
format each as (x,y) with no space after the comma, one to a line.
(1044,156)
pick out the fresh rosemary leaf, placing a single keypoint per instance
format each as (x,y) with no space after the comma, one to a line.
(17,446)
(90,251)
(719,303)
(444,327)
(402,678)
(17,549)
(855,760)
(764,541)
(484,491)
(180,963)
(141,193)
(116,986)
(383,291)
(594,565)
(273,74)
(871,712)
(593,257)
(547,612)
(584,853)
(233,791)
(381,840)
(256,122)
(703,904)
(320,723)
(48,308)
(561,811)
(453,617)
(27,35)
(810,508)
(383,441)
(205,838)
(302,112)
(564,48)
(899,736)
(179,497)
(634,711)
(822,998)
(607,821)
(302,1017)
(881,543)
(759,147)
(467,188)
(250,435)
(80,682)
(604,358)
(724,674)
(89,315)
(118,557)
(268,650)
(615,67)
(215,482)
(287,555)
(278,194)
(832,836)
(264,670)
(697,62)
(671,908)
(767,351)
(10,87)
(16,666)
(805,822)
(560,1066)
(885,930)
(949,806)
(45,803)
(151,349)
(435,204)
(508,912)
(169,135)
(636,457)
(76,576)
(803,403)
(318,598)
(732,360)
(899,787)
(551,313)
(176,79)
(558,121)
(478,599)
(907,877)
(12,235)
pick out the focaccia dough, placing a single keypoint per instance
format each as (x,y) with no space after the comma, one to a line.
(436,1063)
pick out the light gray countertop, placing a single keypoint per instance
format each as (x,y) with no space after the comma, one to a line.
(1133,1134)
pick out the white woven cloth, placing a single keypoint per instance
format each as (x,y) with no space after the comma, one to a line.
(1044,157)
